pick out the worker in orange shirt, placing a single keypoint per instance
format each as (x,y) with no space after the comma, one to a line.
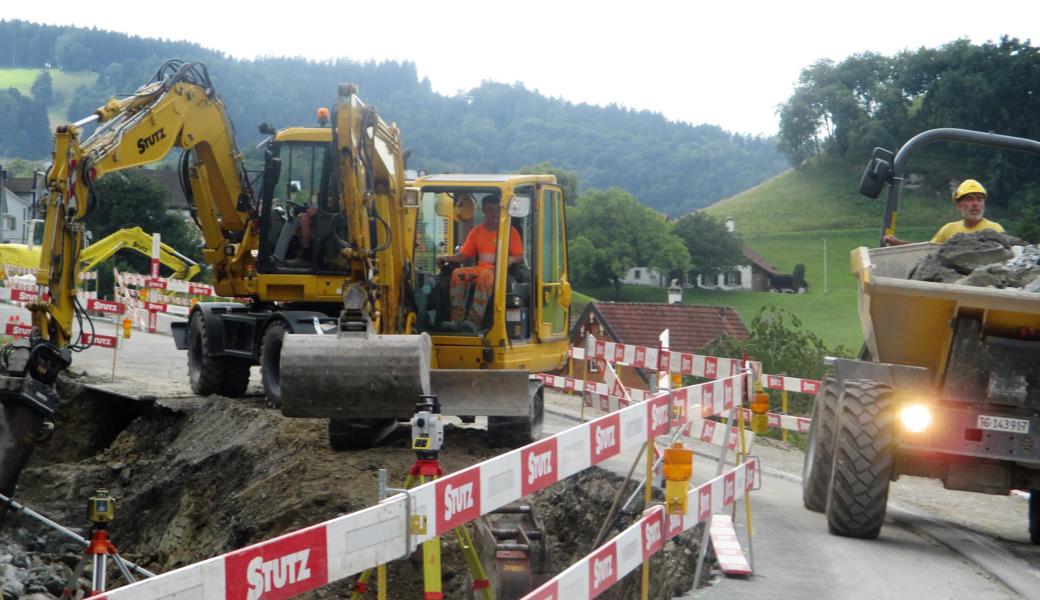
(481,244)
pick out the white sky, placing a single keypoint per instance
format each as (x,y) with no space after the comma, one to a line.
(728,63)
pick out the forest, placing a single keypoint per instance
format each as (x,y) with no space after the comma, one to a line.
(869,100)
(670,166)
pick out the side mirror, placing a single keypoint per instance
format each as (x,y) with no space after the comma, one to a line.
(519,206)
(877,173)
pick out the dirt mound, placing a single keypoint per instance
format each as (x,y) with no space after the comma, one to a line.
(198,477)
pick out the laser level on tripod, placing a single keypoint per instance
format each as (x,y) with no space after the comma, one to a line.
(101,510)
(427,442)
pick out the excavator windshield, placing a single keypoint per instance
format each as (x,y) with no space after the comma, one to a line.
(459,299)
(303,227)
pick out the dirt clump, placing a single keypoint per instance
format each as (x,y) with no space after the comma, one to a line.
(198,477)
(983,259)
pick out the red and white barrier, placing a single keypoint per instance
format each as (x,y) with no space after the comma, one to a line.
(681,363)
(605,566)
(336,549)
(727,546)
(790,384)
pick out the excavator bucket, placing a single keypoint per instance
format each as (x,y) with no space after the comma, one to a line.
(354,375)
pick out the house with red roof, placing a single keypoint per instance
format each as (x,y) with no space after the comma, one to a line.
(690,327)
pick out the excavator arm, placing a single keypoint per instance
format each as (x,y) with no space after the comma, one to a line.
(178,108)
(135,238)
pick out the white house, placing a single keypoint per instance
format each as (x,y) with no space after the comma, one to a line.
(15,210)
(644,276)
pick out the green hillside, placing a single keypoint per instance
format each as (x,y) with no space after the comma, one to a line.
(823,196)
(65,84)
(797,216)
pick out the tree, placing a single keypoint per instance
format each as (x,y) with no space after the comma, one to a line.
(128,198)
(43,88)
(616,233)
(568,180)
(711,246)
(783,347)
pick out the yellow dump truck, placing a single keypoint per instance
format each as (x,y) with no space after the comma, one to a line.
(947,385)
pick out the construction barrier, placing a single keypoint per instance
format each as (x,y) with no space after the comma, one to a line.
(307,559)
(606,565)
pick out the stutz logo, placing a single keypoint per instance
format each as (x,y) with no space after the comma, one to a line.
(281,568)
(602,570)
(652,535)
(458,499)
(604,438)
(539,465)
(144,143)
(659,417)
(270,575)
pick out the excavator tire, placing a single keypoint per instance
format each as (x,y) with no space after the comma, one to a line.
(819,451)
(205,372)
(513,432)
(270,362)
(1034,516)
(863,459)
(358,434)
(236,377)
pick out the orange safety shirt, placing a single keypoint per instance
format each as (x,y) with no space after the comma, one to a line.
(482,243)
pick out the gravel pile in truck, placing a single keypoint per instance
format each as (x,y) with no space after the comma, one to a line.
(983,259)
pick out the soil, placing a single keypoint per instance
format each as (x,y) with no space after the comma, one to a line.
(197,477)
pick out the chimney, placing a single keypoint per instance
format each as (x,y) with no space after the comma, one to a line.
(675,292)
(731,224)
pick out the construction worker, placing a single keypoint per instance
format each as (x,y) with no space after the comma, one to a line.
(970,198)
(481,243)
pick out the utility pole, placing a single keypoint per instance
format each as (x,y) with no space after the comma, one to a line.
(824,265)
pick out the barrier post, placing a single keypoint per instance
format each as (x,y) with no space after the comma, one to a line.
(783,411)
(703,549)
(743,455)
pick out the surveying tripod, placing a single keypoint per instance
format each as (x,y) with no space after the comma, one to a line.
(427,441)
(101,509)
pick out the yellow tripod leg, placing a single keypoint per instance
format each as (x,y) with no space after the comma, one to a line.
(481,585)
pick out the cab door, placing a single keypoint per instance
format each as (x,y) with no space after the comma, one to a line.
(554,291)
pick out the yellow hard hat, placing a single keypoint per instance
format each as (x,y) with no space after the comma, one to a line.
(464,207)
(968,186)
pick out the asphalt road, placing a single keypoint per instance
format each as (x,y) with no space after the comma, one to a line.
(918,555)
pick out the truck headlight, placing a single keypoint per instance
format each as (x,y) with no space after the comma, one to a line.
(915,417)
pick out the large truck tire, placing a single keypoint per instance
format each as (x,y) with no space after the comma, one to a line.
(513,432)
(1034,516)
(819,451)
(270,362)
(864,456)
(236,377)
(205,372)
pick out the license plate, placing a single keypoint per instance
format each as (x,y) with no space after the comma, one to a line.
(1003,424)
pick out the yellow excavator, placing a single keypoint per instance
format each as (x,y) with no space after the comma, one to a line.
(129,238)
(347,313)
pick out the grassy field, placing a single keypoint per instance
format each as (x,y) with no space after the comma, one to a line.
(64,84)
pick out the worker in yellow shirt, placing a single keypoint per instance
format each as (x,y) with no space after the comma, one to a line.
(970,199)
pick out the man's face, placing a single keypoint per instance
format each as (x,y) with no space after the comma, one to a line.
(972,207)
(491,210)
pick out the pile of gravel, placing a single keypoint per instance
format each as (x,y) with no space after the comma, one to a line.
(983,259)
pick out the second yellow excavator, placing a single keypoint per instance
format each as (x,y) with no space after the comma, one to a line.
(129,238)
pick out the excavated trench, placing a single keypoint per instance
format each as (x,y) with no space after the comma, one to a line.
(198,477)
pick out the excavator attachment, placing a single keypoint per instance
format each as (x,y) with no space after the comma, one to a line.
(354,375)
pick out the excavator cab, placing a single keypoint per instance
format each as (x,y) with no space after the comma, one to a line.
(526,308)
(302,226)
